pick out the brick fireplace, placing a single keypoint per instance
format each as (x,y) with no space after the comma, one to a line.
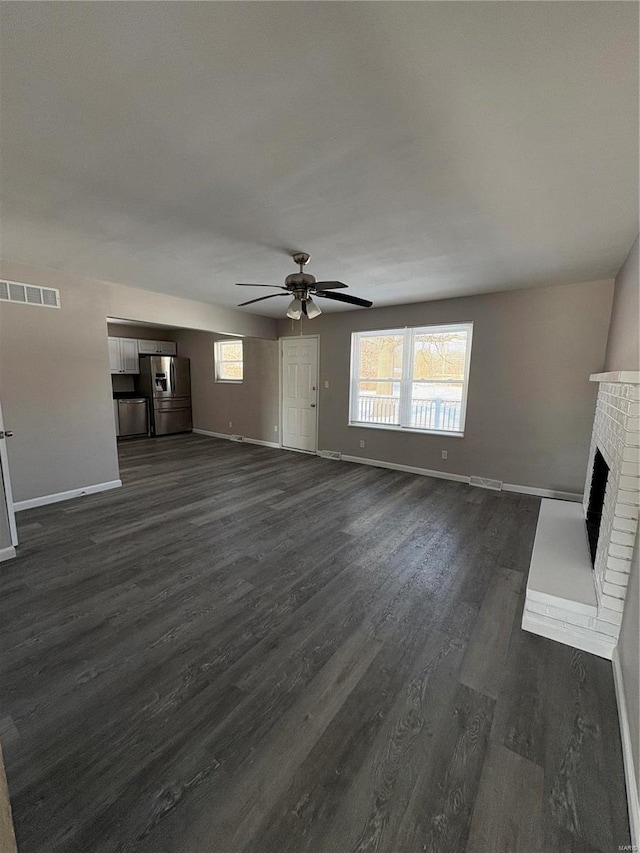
(616,437)
(574,596)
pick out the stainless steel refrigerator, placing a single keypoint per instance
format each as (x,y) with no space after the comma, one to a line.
(166,381)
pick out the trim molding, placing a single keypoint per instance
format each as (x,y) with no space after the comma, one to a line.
(65,496)
(7,553)
(603,648)
(409,469)
(543,493)
(461,478)
(633,798)
(245,440)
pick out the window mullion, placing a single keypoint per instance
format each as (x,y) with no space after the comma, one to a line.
(355,378)
(407,374)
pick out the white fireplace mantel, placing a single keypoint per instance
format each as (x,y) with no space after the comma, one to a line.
(629,377)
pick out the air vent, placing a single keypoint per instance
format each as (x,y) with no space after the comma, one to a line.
(17,292)
(485,483)
(331,454)
(29,294)
(34,295)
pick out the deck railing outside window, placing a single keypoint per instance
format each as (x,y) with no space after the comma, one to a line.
(425,414)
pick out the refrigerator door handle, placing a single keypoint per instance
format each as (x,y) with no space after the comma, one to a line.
(172,375)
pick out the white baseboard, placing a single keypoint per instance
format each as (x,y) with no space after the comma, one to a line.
(65,496)
(633,798)
(462,478)
(409,469)
(543,493)
(273,444)
(245,440)
(601,646)
(7,553)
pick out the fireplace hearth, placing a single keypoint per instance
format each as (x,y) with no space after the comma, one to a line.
(578,575)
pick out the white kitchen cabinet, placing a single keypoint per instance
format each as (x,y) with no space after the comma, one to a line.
(123,355)
(157,347)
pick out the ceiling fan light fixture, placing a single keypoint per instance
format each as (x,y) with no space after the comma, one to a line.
(312,309)
(295,309)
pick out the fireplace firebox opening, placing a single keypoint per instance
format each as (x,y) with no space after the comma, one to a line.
(596,501)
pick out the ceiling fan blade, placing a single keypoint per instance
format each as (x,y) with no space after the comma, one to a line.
(304,308)
(260,298)
(329,285)
(342,297)
(244,284)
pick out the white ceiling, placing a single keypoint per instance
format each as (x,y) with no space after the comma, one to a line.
(416,150)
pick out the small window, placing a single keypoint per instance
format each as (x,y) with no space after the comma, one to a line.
(411,379)
(228,361)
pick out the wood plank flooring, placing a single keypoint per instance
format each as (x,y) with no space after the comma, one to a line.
(246,650)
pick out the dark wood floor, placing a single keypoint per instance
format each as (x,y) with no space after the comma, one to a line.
(251,650)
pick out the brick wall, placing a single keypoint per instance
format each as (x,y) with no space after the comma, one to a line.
(616,433)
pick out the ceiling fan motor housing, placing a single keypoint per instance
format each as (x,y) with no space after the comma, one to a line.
(299,280)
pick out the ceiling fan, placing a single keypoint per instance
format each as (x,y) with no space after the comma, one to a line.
(303,287)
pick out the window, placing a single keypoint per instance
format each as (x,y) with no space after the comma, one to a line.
(413,379)
(228,361)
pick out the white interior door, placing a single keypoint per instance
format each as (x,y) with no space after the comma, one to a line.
(300,393)
(7,510)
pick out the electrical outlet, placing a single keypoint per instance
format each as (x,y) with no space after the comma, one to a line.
(230,423)
(361,442)
(326,383)
(445,454)
(275,428)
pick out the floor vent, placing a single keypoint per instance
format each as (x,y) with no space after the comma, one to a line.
(485,483)
(330,454)
(236,437)
(29,294)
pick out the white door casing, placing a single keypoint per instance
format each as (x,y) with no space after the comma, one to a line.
(5,484)
(299,380)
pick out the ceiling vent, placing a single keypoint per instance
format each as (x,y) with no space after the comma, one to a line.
(29,294)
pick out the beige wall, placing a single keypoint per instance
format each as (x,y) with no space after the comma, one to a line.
(623,346)
(629,651)
(622,354)
(531,405)
(144,333)
(55,389)
(55,382)
(252,406)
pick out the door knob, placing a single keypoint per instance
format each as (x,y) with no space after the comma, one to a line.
(6,434)
(313,405)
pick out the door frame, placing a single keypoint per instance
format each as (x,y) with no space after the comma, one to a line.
(5,485)
(281,389)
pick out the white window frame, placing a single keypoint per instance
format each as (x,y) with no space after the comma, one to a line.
(220,360)
(406,381)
